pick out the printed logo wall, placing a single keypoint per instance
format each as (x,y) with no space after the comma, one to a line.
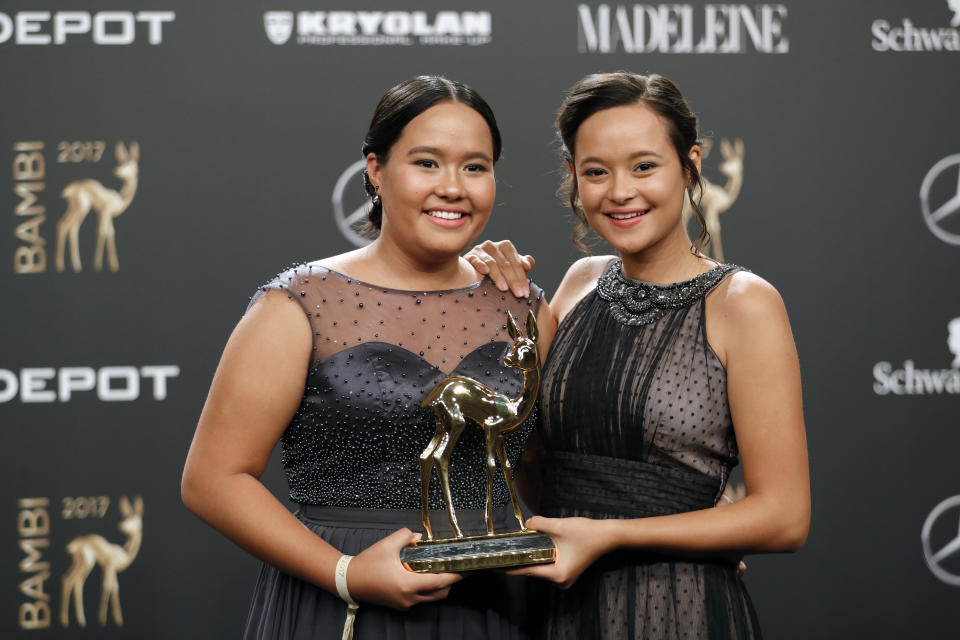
(911,37)
(911,380)
(351,218)
(682,28)
(940,205)
(716,199)
(96,427)
(941,541)
(66,198)
(940,199)
(74,524)
(81,195)
(111,384)
(379,27)
(101,28)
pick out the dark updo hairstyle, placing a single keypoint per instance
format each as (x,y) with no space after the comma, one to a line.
(399,106)
(601,91)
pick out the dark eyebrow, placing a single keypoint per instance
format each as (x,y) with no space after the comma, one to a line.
(636,154)
(437,152)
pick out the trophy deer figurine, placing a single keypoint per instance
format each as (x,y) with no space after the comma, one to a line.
(457,400)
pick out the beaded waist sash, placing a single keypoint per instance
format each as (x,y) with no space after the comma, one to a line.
(600,486)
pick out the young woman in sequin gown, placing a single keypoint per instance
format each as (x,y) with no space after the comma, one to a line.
(333,358)
(666,369)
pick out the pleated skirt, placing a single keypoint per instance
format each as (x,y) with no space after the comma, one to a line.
(627,596)
(631,593)
(485,605)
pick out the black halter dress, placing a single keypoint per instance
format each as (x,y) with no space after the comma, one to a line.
(636,424)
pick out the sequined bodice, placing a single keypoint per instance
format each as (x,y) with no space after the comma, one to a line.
(630,376)
(357,436)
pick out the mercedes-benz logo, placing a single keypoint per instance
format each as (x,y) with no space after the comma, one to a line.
(351,223)
(935,216)
(949,510)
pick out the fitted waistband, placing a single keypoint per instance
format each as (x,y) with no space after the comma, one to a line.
(470,520)
(616,487)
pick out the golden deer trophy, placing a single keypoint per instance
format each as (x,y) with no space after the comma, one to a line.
(82,195)
(92,550)
(716,199)
(455,401)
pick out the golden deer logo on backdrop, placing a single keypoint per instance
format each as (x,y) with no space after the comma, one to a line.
(716,199)
(83,195)
(92,550)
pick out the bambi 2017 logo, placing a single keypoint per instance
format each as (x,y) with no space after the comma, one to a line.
(85,552)
(92,190)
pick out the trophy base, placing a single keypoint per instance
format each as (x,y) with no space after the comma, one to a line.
(497,551)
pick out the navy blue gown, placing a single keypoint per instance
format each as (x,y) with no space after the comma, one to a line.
(351,450)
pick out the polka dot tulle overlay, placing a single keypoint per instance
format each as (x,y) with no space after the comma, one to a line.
(357,436)
(626,598)
(636,423)
(647,391)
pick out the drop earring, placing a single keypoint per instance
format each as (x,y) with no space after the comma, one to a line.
(376,196)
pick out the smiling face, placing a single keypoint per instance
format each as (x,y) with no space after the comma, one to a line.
(630,179)
(437,185)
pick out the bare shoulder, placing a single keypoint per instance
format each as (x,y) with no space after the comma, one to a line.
(588,268)
(745,296)
(580,279)
(743,310)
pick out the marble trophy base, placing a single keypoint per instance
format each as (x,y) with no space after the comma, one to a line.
(497,551)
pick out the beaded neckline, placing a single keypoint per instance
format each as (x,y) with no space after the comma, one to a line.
(634,302)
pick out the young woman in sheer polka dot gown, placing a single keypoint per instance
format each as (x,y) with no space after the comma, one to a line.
(333,359)
(666,370)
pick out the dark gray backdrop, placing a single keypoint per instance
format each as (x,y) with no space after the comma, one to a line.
(241,144)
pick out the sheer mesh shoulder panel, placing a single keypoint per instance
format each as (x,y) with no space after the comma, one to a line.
(285,281)
(442,327)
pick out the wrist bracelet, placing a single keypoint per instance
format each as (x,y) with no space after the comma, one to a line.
(340,577)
